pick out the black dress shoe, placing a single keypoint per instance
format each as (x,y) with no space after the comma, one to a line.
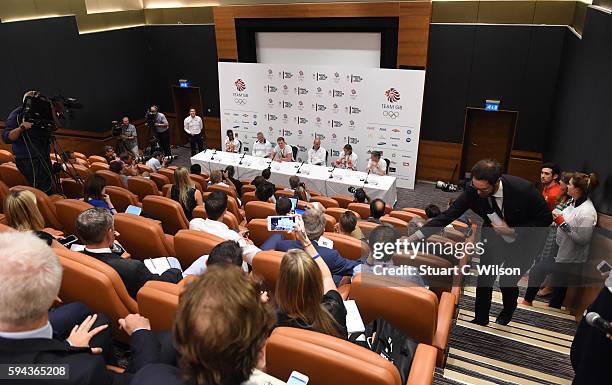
(503,318)
(480,322)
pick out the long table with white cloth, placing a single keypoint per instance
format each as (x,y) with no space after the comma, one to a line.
(317,178)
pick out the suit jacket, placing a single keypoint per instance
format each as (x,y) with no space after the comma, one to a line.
(134,273)
(84,368)
(338,265)
(524,209)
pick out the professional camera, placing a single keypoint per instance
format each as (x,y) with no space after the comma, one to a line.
(116,128)
(47,113)
(145,158)
(446,187)
(150,117)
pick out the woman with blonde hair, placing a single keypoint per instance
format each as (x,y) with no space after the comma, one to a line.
(184,192)
(576,223)
(22,214)
(305,291)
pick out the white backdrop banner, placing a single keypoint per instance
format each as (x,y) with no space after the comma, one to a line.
(370,108)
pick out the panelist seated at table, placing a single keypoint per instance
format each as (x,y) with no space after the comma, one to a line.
(282,152)
(317,154)
(232,144)
(376,164)
(262,147)
(348,159)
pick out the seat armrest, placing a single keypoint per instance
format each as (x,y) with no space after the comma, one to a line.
(423,366)
(446,311)
(170,246)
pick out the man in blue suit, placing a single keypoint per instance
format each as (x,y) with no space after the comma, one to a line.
(314,223)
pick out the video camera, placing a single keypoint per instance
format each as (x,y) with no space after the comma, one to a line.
(47,113)
(145,158)
(150,117)
(116,128)
(446,187)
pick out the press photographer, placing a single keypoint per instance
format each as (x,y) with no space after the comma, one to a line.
(127,135)
(31,139)
(157,122)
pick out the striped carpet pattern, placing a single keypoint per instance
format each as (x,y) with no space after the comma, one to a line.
(533,349)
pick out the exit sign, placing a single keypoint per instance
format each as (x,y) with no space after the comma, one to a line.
(491,105)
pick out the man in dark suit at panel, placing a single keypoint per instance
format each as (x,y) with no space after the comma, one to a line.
(515,220)
(29,282)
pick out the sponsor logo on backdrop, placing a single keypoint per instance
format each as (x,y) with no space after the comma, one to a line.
(408,132)
(392,95)
(392,170)
(300,120)
(270,89)
(370,128)
(396,130)
(352,110)
(285,104)
(406,156)
(240,101)
(406,164)
(352,140)
(391,114)
(287,133)
(335,108)
(353,94)
(300,105)
(285,75)
(270,103)
(319,93)
(383,129)
(336,93)
(408,140)
(270,129)
(235,126)
(319,107)
(335,153)
(334,138)
(300,75)
(354,78)
(285,89)
(270,73)
(381,143)
(393,155)
(271,117)
(394,145)
(240,85)
(301,90)
(285,118)
(302,149)
(391,110)
(335,124)
(336,77)
(393,138)
(320,76)
(318,121)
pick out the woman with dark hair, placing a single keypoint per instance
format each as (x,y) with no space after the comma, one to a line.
(228,174)
(576,223)
(265,192)
(305,292)
(95,193)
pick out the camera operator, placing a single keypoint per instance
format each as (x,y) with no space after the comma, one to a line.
(129,136)
(157,161)
(160,123)
(31,147)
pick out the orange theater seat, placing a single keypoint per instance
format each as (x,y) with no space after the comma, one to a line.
(227,190)
(121,198)
(258,231)
(142,187)
(266,265)
(45,205)
(4,191)
(399,225)
(168,172)
(414,210)
(367,227)
(160,180)
(200,181)
(96,159)
(105,291)
(158,302)
(68,211)
(325,201)
(330,223)
(437,283)
(72,189)
(10,175)
(328,360)
(97,166)
(247,197)
(6,157)
(247,188)
(343,200)
(144,168)
(363,209)
(168,211)
(337,212)
(143,237)
(192,244)
(284,193)
(257,209)
(80,155)
(112,179)
(347,246)
(403,215)
(416,310)
(74,169)
(167,189)
(229,219)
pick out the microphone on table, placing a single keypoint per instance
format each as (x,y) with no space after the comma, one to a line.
(365,181)
(595,320)
(331,173)
(213,154)
(299,167)
(241,157)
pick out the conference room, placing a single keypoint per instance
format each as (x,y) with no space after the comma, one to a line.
(283,192)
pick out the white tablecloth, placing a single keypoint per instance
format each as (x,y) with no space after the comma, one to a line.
(316,178)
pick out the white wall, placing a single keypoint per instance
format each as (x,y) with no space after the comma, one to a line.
(354,49)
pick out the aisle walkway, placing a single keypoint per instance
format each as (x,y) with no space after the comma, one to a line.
(533,349)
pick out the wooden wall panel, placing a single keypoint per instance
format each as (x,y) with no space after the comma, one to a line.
(526,164)
(413,34)
(437,160)
(212,130)
(225,33)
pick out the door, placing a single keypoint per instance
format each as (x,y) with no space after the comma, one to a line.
(487,134)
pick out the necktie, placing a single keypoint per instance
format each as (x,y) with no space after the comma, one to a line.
(495,207)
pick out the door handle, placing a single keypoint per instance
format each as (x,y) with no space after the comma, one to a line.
(474,144)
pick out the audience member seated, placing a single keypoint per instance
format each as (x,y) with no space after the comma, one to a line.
(220,333)
(116,166)
(228,174)
(195,169)
(216,206)
(360,196)
(431,211)
(30,282)
(22,214)
(157,161)
(95,194)
(376,164)
(283,206)
(184,192)
(305,292)
(96,230)
(314,223)
(259,179)
(379,256)
(265,192)
(348,226)
(299,188)
(129,164)
(377,210)
(109,154)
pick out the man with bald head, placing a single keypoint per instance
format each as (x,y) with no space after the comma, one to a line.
(317,154)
